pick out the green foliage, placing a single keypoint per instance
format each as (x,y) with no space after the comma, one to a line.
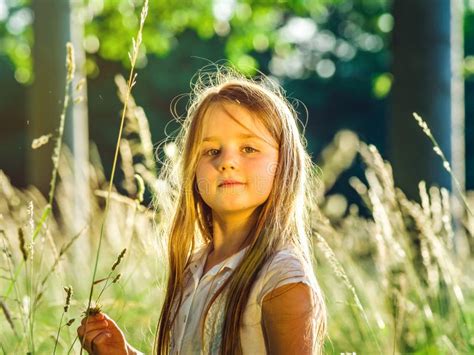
(247,27)
(382,85)
(16,36)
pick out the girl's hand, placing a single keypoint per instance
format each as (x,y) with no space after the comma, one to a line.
(102,336)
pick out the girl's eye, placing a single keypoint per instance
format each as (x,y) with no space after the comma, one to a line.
(211,151)
(251,150)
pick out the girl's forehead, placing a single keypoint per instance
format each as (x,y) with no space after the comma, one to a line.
(226,120)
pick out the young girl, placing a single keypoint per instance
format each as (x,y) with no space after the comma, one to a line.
(240,277)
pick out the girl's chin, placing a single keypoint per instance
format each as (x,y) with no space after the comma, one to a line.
(230,208)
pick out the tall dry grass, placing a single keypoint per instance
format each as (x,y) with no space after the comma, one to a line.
(133,55)
(392,281)
(402,287)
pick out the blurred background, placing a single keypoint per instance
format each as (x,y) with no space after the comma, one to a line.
(361,65)
(393,262)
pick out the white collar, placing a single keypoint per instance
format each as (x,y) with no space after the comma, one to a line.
(199,258)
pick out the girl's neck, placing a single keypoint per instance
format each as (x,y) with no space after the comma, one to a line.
(230,233)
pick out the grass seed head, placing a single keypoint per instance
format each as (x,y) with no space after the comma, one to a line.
(70,63)
(23,248)
(40,141)
(92,311)
(140,187)
(119,259)
(116,278)
(68,297)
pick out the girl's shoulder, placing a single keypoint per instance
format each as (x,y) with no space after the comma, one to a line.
(288,260)
(285,266)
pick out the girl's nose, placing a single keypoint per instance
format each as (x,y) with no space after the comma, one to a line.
(228,160)
(224,167)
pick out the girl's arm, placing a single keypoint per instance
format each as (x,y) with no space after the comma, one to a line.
(288,315)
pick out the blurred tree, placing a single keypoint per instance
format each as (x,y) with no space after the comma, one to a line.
(469,86)
(51,29)
(458,129)
(422,83)
(77,127)
(54,25)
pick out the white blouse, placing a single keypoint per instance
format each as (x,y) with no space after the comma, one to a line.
(283,269)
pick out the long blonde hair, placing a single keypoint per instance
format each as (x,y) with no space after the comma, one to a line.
(283,219)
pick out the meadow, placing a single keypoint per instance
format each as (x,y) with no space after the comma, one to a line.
(397,274)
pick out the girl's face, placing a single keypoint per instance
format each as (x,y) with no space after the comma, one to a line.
(235,147)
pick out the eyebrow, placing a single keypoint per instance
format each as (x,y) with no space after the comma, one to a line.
(243,136)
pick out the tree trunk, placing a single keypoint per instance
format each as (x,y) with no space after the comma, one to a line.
(55,24)
(51,32)
(422,83)
(77,128)
(458,141)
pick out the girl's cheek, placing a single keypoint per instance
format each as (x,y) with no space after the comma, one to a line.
(200,171)
(264,167)
(272,168)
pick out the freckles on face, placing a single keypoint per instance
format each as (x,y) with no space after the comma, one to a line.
(236,147)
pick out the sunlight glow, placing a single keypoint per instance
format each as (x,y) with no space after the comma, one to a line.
(223,10)
(325,68)
(19,20)
(3,10)
(298,30)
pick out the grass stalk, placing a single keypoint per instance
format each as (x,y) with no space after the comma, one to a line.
(67,303)
(131,82)
(446,164)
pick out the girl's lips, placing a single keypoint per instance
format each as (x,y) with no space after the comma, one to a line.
(230,184)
